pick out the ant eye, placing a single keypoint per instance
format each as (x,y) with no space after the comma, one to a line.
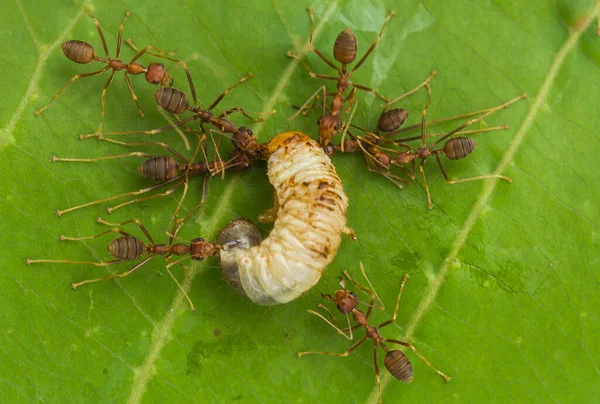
(154,81)
(250,133)
(352,294)
(340,308)
(319,121)
(336,127)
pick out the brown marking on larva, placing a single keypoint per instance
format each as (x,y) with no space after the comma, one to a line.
(323,185)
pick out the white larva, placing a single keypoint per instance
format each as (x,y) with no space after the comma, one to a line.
(311,216)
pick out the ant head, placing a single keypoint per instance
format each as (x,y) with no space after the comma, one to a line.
(200,249)
(345,301)
(157,74)
(329,125)
(383,159)
(243,138)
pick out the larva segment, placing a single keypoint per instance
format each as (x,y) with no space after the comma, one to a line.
(307,232)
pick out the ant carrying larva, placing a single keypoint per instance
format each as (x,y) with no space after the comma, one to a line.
(174,170)
(396,362)
(345,49)
(130,248)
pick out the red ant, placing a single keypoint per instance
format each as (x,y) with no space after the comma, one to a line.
(347,302)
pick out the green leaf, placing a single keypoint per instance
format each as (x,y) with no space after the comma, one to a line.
(502,294)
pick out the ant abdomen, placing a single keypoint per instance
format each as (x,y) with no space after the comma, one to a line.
(159,168)
(171,99)
(345,47)
(78,51)
(391,120)
(459,147)
(399,366)
(126,248)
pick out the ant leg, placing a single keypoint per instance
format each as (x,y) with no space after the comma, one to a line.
(411,346)
(464,132)
(97,264)
(313,75)
(177,155)
(310,41)
(224,93)
(135,98)
(371,292)
(429,204)
(332,323)
(393,319)
(414,90)
(315,96)
(485,113)
(374,44)
(96,202)
(121,275)
(136,221)
(166,193)
(377,376)
(101,34)
(479,177)
(185,186)
(346,123)
(182,289)
(352,348)
(110,79)
(93,160)
(76,77)
(228,112)
(120,37)
(143,132)
(472,121)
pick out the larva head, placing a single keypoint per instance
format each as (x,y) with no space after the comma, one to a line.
(157,74)
(240,233)
(399,366)
(286,138)
(345,47)
(329,125)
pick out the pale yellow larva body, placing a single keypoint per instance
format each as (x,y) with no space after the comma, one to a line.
(306,235)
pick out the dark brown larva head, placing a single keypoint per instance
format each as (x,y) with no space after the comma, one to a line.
(345,301)
(329,149)
(243,234)
(345,47)
(391,120)
(159,168)
(171,99)
(399,366)
(329,125)
(126,248)
(78,51)
(157,74)
(459,147)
